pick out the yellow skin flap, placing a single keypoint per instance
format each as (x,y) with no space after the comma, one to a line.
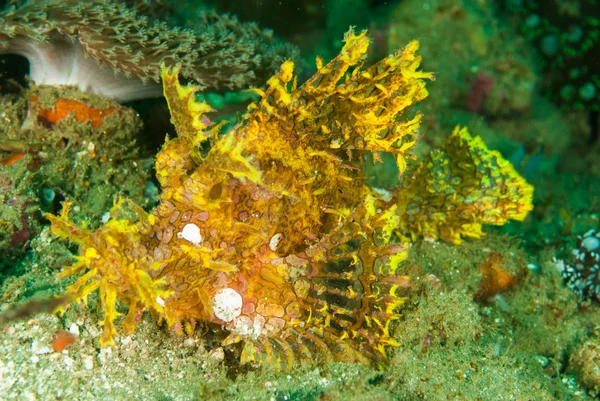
(274,234)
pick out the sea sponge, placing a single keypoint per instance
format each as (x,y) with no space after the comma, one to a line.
(106,48)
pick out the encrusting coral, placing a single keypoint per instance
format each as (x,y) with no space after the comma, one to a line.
(105,48)
(270,229)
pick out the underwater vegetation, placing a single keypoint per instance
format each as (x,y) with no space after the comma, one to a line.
(270,231)
(491,318)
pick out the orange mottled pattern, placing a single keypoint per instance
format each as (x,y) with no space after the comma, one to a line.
(12,159)
(62,340)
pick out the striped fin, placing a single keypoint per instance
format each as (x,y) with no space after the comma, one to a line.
(285,353)
(350,294)
(353,290)
(354,297)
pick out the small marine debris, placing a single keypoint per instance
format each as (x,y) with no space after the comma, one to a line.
(62,340)
(494,278)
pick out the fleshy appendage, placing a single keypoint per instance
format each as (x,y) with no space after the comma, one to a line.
(111,259)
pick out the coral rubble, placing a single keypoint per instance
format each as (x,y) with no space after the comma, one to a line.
(64,144)
(270,229)
(586,364)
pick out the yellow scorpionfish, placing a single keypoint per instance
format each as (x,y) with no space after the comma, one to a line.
(270,229)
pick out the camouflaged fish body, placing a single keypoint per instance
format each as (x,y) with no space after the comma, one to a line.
(273,233)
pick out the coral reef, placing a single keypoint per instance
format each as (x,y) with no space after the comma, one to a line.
(491,319)
(500,347)
(481,67)
(567,37)
(270,230)
(105,48)
(486,78)
(17,206)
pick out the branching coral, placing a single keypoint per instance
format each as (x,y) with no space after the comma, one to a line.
(273,233)
(105,48)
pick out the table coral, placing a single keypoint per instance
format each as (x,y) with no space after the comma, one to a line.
(272,232)
(105,48)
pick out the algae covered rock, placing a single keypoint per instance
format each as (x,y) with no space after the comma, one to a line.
(585,363)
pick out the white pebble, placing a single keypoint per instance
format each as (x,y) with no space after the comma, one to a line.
(74,329)
(217,354)
(591,243)
(40,348)
(93,330)
(88,362)
(105,355)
